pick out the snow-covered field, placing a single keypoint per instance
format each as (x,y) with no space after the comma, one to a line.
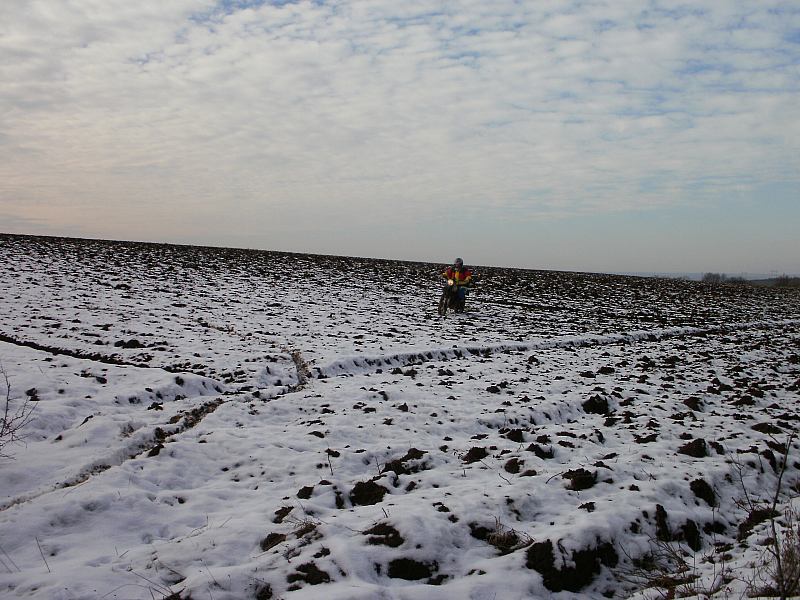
(231,424)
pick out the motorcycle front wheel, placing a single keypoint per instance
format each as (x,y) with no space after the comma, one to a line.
(443,305)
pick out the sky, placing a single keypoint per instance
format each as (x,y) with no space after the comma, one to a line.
(619,135)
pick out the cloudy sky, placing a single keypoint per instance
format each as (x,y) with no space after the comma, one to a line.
(602,135)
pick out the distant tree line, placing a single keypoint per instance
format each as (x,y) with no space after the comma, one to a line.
(783,281)
(786,281)
(722,278)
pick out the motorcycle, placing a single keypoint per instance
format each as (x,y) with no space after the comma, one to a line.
(450,299)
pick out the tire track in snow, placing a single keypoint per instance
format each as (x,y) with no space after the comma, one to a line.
(150,442)
(353,365)
(79,354)
(110,359)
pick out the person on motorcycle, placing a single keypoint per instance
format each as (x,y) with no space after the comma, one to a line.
(462,278)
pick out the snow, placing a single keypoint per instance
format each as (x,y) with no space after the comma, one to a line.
(204,417)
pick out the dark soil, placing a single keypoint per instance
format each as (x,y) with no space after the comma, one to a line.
(385,535)
(365,493)
(410,569)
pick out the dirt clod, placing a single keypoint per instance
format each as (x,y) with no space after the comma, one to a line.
(365,493)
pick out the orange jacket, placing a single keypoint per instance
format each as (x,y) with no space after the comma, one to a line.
(462,277)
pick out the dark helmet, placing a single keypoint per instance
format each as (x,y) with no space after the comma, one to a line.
(458,263)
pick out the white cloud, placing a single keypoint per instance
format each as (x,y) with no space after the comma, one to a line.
(375,111)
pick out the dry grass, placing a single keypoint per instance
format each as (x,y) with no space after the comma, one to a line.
(16,414)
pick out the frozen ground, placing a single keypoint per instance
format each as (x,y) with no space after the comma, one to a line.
(230,424)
